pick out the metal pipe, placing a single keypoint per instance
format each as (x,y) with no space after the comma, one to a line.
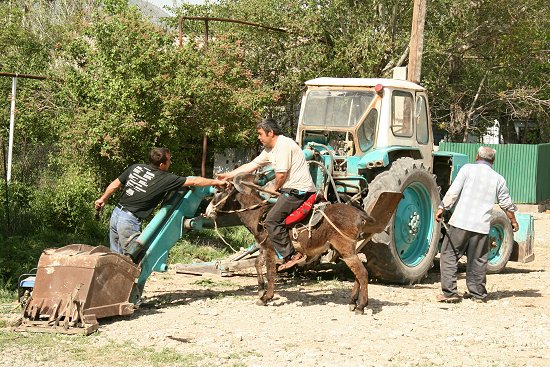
(12,112)
(26,76)
(180,34)
(12,126)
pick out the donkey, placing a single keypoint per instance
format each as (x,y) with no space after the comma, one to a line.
(340,228)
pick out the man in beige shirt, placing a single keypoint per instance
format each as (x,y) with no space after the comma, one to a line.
(292,179)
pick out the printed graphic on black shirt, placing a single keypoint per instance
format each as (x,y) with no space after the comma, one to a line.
(138,180)
(145,187)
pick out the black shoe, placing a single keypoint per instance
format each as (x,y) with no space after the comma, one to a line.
(468,295)
(455,298)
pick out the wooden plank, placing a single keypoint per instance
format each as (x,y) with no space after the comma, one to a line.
(45,327)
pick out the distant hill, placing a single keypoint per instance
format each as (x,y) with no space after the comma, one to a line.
(151,11)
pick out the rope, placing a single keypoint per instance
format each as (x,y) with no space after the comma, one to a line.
(262,203)
(222,200)
(221,237)
(336,228)
(224,241)
(215,206)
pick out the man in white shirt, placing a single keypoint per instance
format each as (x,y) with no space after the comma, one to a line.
(474,191)
(292,179)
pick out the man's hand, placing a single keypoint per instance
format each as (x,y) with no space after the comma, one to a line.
(99,204)
(513,221)
(220,183)
(224,176)
(438,215)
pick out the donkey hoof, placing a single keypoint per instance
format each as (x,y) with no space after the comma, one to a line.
(352,306)
(261,303)
(359,311)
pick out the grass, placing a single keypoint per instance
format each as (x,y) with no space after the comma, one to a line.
(211,283)
(34,348)
(7,294)
(207,245)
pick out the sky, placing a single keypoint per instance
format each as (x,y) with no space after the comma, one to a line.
(161,3)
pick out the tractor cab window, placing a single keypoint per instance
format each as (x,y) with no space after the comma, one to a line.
(421,114)
(336,108)
(402,111)
(365,133)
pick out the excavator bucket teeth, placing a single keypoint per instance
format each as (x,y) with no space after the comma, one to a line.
(76,285)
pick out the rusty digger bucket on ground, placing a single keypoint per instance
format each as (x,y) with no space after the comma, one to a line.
(75,286)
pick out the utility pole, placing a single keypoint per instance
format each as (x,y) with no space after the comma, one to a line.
(416,44)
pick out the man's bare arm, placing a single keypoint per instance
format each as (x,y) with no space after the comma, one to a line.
(245,168)
(113,186)
(202,181)
(280,179)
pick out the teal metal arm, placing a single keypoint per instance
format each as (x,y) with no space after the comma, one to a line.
(167,227)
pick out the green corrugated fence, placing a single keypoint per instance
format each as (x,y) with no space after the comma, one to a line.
(525,167)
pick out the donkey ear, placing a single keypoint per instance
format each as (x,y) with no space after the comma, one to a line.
(238,183)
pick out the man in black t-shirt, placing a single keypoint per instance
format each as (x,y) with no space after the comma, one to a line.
(144,188)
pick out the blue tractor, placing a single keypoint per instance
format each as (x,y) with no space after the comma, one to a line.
(366,136)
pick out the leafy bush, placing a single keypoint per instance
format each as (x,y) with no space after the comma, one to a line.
(53,213)
(16,208)
(66,203)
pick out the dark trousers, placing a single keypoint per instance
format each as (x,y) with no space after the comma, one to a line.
(475,246)
(275,222)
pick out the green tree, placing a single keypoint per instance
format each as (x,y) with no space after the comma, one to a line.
(487,60)
(129,87)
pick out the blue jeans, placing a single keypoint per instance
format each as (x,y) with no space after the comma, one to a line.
(124,229)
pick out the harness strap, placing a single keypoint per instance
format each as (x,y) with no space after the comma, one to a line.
(336,228)
(296,232)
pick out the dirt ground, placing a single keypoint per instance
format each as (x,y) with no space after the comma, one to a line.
(308,323)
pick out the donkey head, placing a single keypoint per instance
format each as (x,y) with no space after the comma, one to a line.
(227,200)
(221,201)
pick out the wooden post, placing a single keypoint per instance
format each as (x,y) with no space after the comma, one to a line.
(416,44)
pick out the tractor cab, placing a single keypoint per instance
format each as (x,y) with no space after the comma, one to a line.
(353,117)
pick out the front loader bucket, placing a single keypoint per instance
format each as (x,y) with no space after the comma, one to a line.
(76,285)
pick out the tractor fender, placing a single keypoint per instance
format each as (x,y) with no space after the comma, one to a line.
(383,157)
(454,160)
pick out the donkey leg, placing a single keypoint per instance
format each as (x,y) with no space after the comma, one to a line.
(269,255)
(361,277)
(354,296)
(259,264)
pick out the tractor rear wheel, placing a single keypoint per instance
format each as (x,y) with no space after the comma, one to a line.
(404,251)
(501,242)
